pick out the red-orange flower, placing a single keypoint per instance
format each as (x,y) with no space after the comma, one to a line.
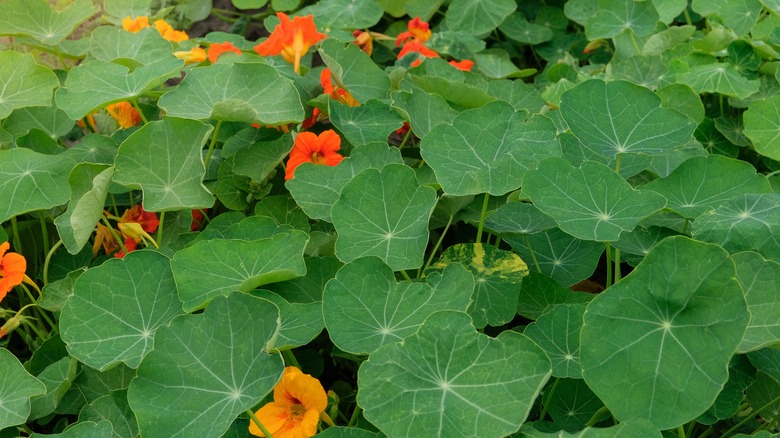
(124,113)
(336,92)
(414,46)
(148,220)
(315,116)
(464,65)
(197,220)
(299,399)
(219,48)
(135,24)
(364,40)
(169,33)
(291,39)
(311,148)
(12,267)
(418,32)
(131,246)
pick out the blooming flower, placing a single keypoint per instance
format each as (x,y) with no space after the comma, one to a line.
(148,220)
(135,24)
(364,40)
(418,32)
(131,246)
(299,399)
(291,39)
(311,148)
(414,46)
(217,49)
(12,267)
(169,33)
(193,56)
(336,92)
(464,65)
(124,113)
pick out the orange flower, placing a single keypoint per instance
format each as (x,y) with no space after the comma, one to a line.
(192,56)
(197,219)
(131,246)
(124,113)
(291,39)
(315,116)
(148,220)
(169,33)
(217,49)
(12,267)
(299,399)
(135,24)
(103,237)
(418,32)
(414,46)
(364,40)
(336,92)
(464,65)
(310,148)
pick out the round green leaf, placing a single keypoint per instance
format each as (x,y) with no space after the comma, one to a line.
(49,119)
(613,17)
(424,110)
(16,388)
(308,289)
(89,188)
(164,159)
(206,369)
(446,380)
(299,323)
(57,378)
(365,308)
(632,428)
(384,213)
(116,308)
(702,183)
(518,217)
(370,122)
(760,280)
(574,404)
(620,117)
(211,268)
(558,333)
(23,82)
(488,149)
(355,70)
(720,78)
(37,19)
(241,92)
(517,28)
(675,322)
(345,14)
(540,294)
(478,17)
(115,409)
(762,126)
(82,429)
(591,202)
(765,393)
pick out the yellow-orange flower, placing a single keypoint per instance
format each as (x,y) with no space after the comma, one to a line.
(219,48)
(135,24)
(313,148)
(169,33)
(12,267)
(291,39)
(299,399)
(336,92)
(193,56)
(104,238)
(419,32)
(364,40)
(124,113)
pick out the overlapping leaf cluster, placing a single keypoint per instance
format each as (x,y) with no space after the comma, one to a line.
(645,132)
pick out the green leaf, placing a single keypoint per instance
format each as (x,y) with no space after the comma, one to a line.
(445,381)
(668,10)
(259,160)
(211,268)
(206,369)
(365,308)
(557,332)
(455,89)
(283,210)
(16,389)
(32,181)
(702,183)
(539,294)
(631,427)
(683,99)
(299,323)
(355,70)
(748,222)
(88,188)
(518,218)
(115,409)
(760,279)
(478,17)
(57,378)
(574,405)
(614,17)
(619,117)
(497,64)
(241,92)
(741,375)
(424,110)
(517,28)
(91,384)
(765,393)
(591,202)
(384,213)
(164,159)
(317,188)
(249,4)
(51,120)
(762,126)
(497,275)
(82,429)
(125,8)
(116,308)
(372,121)
(23,82)
(345,14)
(37,19)
(675,321)
(488,149)
(579,11)
(720,78)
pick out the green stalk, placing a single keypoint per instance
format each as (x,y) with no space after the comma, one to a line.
(406,137)
(548,398)
(680,431)
(17,239)
(405,275)
(48,260)
(608,250)
(258,423)
(134,102)
(749,417)
(618,274)
(115,235)
(211,145)
(531,250)
(44,234)
(436,247)
(355,414)
(482,218)
(290,359)
(160,227)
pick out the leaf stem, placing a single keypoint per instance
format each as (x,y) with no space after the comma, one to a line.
(211,145)
(405,275)
(406,137)
(258,423)
(680,431)
(749,417)
(355,414)
(482,218)
(436,247)
(618,157)
(115,235)
(17,239)
(160,226)
(608,250)
(289,359)
(134,102)
(48,260)
(547,399)
(44,233)
(531,250)
(618,274)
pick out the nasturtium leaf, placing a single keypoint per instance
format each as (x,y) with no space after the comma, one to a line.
(702,183)
(497,64)
(557,332)
(217,267)
(384,213)
(88,189)
(57,378)
(636,244)
(23,82)
(455,43)
(613,17)
(488,149)
(93,148)
(236,226)
(764,394)
(518,217)
(365,307)
(478,17)
(164,159)
(720,78)
(259,160)
(766,360)
(355,70)
(760,280)
(749,222)
(123,8)
(115,409)
(423,110)
(666,39)
(82,429)
(646,71)
(683,99)
(308,289)
(446,380)
(497,275)
(91,384)
(284,211)
(675,321)
(762,126)
(739,15)
(349,432)
(518,93)
(32,181)
(620,117)
(345,14)
(317,188)
(37,19)
(590,203)
(241,92)
(580,10)
(634,428)
(16,388)
(566,259)
(116,308)
(733,129)
(370,122)
(131,49)
(207,368)
(517,28)
(573,405)
(539,294)
(741,375)
(49,119)
(299,323)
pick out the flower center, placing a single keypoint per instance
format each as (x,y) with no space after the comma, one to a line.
(317,158)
